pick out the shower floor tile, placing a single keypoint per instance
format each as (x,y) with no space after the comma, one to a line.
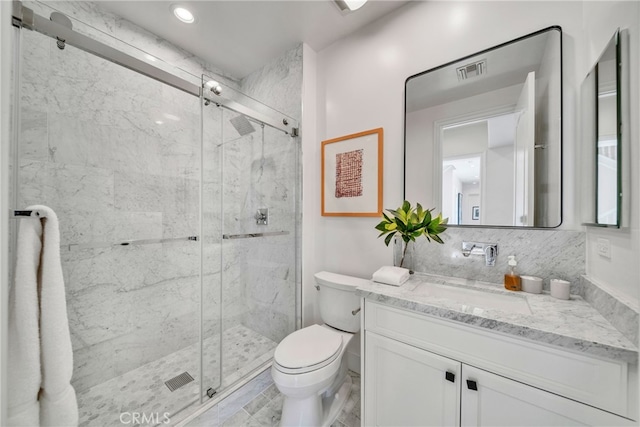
(140,396)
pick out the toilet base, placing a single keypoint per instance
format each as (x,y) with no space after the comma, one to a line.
(317,410)
(332,405)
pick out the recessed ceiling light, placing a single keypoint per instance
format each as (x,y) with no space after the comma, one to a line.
(183,14)
(159,122)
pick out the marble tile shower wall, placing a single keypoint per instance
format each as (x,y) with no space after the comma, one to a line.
(273,264)
(259,273)
(549,254)
(92,150)
(258,170)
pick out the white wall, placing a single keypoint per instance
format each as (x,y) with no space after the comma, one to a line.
(464,140)
(361,86)
(310,170)
(470,198)
(497,204)
(621,273)
(451,186)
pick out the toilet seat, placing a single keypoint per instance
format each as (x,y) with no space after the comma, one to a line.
(307,350)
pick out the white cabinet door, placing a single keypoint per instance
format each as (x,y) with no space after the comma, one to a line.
(407,386)
(499,401)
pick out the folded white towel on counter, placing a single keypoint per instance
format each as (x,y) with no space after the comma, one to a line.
(394,276)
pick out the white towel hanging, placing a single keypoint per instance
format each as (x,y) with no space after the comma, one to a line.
(40,352)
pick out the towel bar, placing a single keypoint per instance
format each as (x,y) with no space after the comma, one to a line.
(251,235)
(22,213)
(80,246)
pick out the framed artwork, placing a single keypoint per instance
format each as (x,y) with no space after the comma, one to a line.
(475,212)
(352,175)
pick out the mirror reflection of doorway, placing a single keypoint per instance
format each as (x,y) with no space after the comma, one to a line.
(490,164)
(461,177)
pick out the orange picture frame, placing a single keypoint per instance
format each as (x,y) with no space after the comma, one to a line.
(351,174)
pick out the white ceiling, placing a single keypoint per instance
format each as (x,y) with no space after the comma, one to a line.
(467,169)
(239,37)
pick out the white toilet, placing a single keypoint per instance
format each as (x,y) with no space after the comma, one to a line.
(308,367)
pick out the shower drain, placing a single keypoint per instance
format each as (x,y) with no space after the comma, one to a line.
(179,381)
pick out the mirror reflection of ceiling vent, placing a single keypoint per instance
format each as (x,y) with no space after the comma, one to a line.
(472,70)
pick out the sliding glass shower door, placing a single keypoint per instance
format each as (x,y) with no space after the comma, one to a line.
(178,220)
(257,175)
(117,156)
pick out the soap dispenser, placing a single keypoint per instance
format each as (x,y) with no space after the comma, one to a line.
(511,279)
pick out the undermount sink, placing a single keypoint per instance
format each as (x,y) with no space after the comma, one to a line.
(475,301)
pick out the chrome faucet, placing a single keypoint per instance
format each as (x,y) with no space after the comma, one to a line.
(489,250)
(490,255)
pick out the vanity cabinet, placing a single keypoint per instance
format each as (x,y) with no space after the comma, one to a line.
(407,386)
(419,370)
(492,400)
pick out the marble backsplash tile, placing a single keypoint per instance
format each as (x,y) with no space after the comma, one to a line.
(549,254)
(621,312)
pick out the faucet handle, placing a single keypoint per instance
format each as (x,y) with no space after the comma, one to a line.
(490,254)
(262,216)
(488,250)
(491,248)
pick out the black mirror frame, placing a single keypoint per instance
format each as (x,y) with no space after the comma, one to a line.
(561,133)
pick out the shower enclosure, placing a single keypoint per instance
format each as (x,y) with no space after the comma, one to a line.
(179,219)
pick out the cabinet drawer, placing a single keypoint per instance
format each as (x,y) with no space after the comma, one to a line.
(597,382)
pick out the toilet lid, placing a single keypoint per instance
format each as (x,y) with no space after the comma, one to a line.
(307,347)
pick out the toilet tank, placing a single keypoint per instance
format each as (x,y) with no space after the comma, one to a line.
(337,299)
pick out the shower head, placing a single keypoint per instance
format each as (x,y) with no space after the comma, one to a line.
(242,125)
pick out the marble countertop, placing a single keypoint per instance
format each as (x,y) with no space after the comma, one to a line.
(572,324)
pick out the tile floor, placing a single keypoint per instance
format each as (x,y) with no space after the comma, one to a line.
(142,390)
(259,403)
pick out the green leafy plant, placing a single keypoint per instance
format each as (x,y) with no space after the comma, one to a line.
(411,223)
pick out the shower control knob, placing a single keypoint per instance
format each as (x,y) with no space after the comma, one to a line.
(262,216)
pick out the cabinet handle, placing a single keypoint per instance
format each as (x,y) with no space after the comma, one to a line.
(472,385)
(450,376)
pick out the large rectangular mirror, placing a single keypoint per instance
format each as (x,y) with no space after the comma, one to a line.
(601,117)
(483,135)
